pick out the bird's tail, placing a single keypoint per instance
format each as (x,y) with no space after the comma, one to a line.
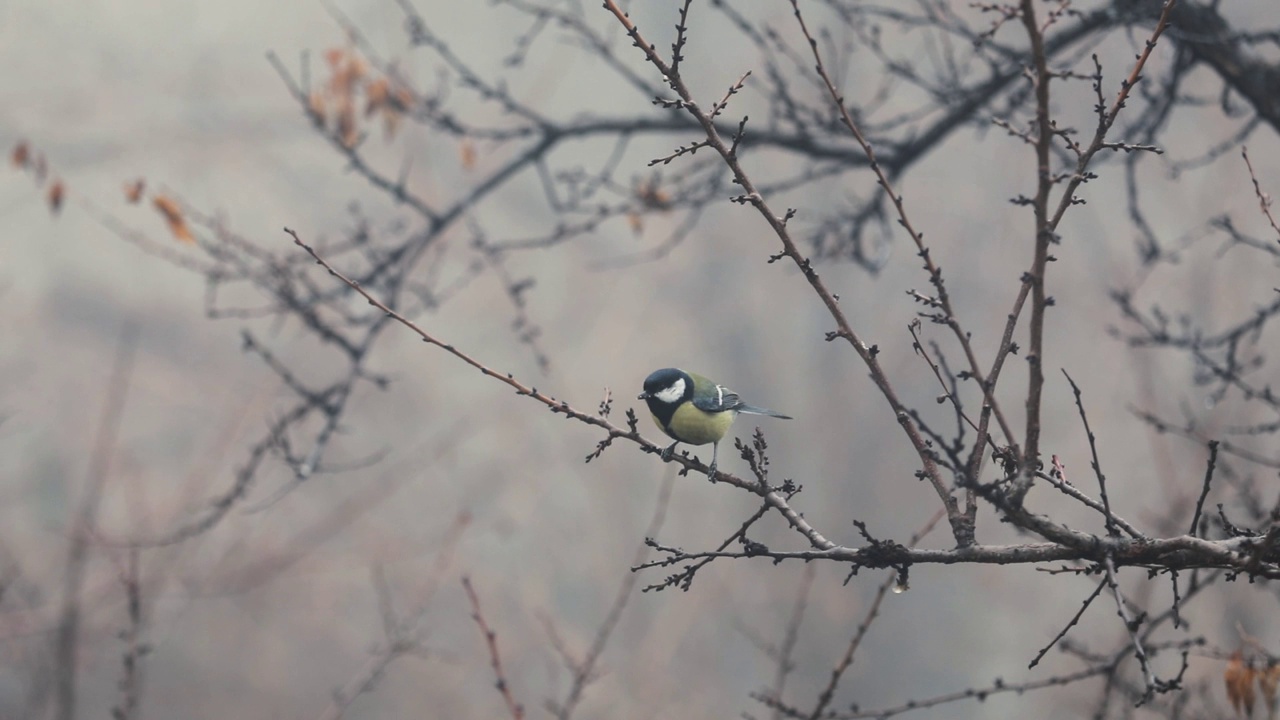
(753,410)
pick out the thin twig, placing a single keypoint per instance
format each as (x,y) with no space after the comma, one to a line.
(1131,627)
(828,692)
(1046,224)
(1264,199)
(495,658)
(1204,490)
(1096,464)
(990,405)
(1070,624)
(1060,482)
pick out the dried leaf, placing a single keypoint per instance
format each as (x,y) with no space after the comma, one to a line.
(467,150)
(357,68)
(402,98)
(377,94)
(1238,677)
(315,106)
(346,75)
(172,214)
(57,193)
(21,154)
(390,123)
(133,191)
(1268,681)
(637,223)
(652,196)
(348,133)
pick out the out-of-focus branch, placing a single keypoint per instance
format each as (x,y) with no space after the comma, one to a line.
(1202,28)
(584,670)
(67,638)
(873,611)
(402,634)
(130,684)
(495,657)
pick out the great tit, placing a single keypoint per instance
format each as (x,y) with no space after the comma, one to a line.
(691,409)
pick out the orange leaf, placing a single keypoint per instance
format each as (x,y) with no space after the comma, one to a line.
(57,193)
(376,94)
(1238,678)
(345,76)
(21,154)
(172,214)
(133,191)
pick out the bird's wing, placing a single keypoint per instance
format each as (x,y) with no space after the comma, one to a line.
(721,399)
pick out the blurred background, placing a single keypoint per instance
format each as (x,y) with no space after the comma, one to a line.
(446,473)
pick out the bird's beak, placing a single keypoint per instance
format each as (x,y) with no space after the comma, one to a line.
(643,396)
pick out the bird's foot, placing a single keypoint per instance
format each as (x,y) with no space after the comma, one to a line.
(671,449)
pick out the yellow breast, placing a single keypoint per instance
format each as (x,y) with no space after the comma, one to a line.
(695,427)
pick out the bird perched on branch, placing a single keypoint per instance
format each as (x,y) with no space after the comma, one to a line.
(694,410)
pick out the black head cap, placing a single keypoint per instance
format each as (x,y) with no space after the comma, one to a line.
(666,379)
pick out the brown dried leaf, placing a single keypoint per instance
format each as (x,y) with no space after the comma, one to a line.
(348,133)
(57,193)
(1238,677)
(399,100)
(652,196)
(377,94)
(1268,681)
(172,214)
(467,151)
(402,98)
(315,106)
(133,191)
(346,75)
(21,154)
(390,124)
(357,68)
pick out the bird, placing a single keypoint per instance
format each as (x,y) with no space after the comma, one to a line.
(693,410)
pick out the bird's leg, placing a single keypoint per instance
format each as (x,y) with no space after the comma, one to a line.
(666,454)
(715,453)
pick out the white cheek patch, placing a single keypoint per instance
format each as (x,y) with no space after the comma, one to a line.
(673,393)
